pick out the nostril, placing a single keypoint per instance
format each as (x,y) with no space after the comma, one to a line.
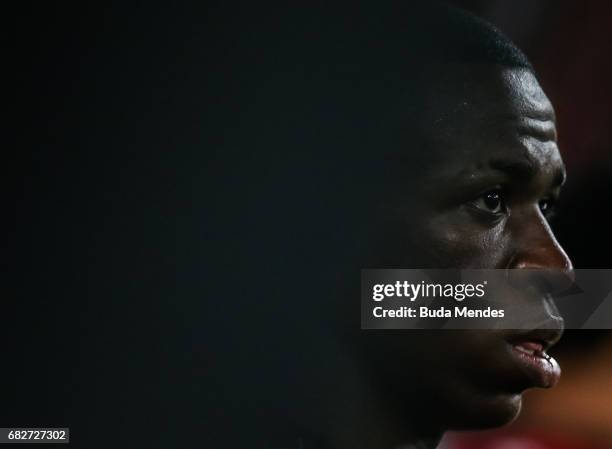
(541,259)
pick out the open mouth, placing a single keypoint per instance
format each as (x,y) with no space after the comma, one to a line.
(532,348)
(529,353)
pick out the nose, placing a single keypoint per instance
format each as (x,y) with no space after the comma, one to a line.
(540,263)
(537,247)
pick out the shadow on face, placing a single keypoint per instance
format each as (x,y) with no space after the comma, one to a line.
(489,173)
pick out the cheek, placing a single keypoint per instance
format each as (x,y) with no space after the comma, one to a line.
(446,241)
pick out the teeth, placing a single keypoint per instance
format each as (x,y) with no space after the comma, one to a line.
(525,350)
(535,351)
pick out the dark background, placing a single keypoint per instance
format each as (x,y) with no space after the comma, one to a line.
(137,195)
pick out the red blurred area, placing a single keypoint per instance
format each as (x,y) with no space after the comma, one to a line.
(526,440)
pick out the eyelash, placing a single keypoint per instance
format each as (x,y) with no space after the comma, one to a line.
(496,207)
(549,212)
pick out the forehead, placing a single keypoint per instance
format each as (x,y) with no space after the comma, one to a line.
(455,91)
(475,112)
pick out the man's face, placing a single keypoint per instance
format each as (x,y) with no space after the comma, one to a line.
(493,175)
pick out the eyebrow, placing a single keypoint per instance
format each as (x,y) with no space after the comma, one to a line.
(525,169)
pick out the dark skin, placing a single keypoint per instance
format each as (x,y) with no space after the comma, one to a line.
(484,201)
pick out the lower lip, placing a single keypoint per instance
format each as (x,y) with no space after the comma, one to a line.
(542,371)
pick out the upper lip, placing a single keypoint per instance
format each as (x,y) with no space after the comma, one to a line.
(547,337)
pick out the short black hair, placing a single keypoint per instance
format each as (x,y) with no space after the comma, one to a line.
(427,33)
(460,36)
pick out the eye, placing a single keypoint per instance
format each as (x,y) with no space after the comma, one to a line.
(491,202)
(547,206)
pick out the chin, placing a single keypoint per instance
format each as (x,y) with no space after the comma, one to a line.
(491,412)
